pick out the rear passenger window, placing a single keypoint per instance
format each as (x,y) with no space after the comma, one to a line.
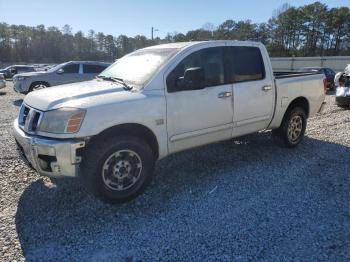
(244,64)
(93,69)
(71,69)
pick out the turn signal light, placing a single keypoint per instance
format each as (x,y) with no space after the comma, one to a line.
(75,122)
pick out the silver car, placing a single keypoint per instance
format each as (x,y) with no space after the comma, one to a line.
(70,72)
(2,81)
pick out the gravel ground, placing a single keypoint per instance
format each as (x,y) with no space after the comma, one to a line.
(241,200)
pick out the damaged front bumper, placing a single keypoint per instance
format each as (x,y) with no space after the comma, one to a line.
(50,157)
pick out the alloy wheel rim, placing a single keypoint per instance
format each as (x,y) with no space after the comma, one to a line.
(121,170)
(295,128)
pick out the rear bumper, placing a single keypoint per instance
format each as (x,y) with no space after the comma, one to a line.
(342,100)
(50,157)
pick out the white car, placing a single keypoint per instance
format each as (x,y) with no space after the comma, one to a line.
(70,72)
(2,81)
(157,101)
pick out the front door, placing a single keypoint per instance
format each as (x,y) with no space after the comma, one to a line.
(200,114)
(71,73)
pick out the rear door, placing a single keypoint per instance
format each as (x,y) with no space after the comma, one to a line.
(92,70)
(253,94)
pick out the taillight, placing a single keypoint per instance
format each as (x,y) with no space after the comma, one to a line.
(325,85)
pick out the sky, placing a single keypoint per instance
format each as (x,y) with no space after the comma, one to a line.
(137,17)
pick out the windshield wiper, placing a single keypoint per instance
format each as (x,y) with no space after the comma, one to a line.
(118,80)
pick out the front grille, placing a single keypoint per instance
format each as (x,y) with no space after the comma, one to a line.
(29,118)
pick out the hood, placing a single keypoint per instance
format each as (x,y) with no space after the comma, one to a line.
(80,95)
(35,73)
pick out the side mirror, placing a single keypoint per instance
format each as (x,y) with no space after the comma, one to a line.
(60,71)
(193,79)
(13,71)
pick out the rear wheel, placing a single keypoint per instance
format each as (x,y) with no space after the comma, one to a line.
(117,169)
(344,106)
(292,130)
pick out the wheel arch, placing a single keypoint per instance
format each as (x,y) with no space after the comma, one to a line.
(132,129)
(299,102)
(39,82)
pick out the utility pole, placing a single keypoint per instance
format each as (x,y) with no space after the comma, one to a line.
(152,31)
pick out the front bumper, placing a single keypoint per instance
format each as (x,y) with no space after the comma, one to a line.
(19,86)
(50,157)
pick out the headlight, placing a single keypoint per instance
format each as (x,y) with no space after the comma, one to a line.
(20,78)
(62,121)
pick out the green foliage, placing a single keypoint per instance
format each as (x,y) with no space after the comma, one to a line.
(310,30)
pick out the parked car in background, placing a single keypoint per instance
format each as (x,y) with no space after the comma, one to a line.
(342,81)
(157,101)
(70,72)
(10,71)
(329,73)
(2,81)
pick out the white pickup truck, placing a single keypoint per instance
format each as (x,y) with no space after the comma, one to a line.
(157,101)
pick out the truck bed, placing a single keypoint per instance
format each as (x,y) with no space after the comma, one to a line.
(292,85)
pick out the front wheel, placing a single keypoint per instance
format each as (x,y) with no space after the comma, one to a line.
(117,169)
(38,86)
(292,130)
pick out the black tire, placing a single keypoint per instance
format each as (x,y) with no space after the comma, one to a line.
(95,157)
(283,135)
(37,85)
(344,106)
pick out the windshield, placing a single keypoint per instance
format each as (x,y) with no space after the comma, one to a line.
(138,67)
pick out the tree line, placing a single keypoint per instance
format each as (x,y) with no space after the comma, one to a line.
(309,30)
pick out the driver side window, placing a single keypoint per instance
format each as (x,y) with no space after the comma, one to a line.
(208,62)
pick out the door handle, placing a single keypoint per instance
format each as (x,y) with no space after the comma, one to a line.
(266,88)
(224,94)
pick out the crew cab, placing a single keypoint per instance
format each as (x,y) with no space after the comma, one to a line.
(70,72)
(157,101)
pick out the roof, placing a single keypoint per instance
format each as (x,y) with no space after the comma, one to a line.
(21,65)
(88,62)
(180,45)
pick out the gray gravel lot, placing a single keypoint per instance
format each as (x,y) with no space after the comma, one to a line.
(242,200)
